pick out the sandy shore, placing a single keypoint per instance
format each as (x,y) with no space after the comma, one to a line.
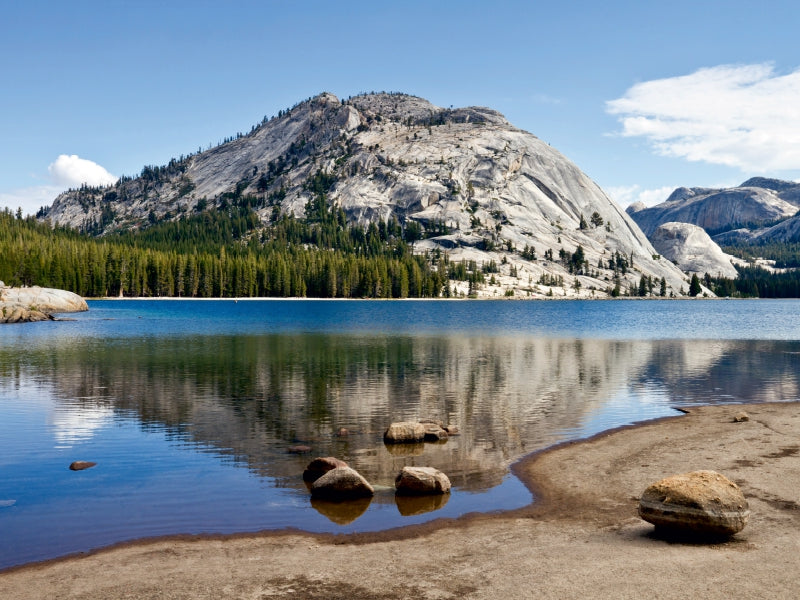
(582,539)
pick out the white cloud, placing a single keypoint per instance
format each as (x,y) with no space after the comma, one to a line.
(742,116)
(73,171)
(67,171)
(627,195)
(29,199)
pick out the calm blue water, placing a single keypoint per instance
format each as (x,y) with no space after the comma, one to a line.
(189,407)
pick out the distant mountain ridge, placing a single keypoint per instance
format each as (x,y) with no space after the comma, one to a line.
(473,184)
(760,209)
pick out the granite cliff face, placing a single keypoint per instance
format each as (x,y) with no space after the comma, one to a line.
(480,188)
(747,206)
(692,250)
(760,210)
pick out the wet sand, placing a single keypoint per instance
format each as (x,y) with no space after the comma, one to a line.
(581,539)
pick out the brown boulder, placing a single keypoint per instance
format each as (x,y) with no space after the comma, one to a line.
(319,466)
(434,433)
(702,502)
(417,481)
(342,483)
(80,465)
(404,432)
(741,417)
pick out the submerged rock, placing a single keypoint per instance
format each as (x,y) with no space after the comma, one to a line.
(701,502)
(321,465)
(404,432)
(418,481)
(300,449)
(342,483)
(80,465)
(435,434)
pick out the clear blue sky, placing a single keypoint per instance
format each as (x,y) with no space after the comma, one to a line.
(642,96)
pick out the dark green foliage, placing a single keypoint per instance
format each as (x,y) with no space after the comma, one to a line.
(754,282)
(223,254)
(694,285)
(785,254)
(529,253)
(576,261)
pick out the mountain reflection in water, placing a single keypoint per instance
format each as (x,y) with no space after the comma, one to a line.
(250,398)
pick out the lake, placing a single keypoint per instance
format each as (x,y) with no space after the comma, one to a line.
(189,408)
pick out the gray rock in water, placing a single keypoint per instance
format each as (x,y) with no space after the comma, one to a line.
(404,432)
(701,502)
(319,466)
(342,483)
(417,481)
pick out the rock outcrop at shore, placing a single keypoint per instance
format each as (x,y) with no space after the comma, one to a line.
(29,304)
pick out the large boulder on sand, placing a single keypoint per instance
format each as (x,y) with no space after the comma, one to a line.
(341,483)
(417,481)
(404,432)
(702,502)
(321,465)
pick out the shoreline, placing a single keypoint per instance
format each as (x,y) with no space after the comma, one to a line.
(437,299)
(581,530)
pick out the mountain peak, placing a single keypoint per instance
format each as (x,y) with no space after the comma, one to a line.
(476,187)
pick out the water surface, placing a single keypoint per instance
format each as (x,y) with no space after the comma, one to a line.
(189,407)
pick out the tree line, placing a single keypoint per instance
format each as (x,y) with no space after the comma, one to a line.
(224,254)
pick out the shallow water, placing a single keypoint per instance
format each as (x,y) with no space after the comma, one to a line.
(189,407)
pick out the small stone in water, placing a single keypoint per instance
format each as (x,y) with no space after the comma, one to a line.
(80,465)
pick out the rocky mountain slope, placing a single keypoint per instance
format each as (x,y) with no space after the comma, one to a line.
(750,205)
(477,188)
(691,248)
